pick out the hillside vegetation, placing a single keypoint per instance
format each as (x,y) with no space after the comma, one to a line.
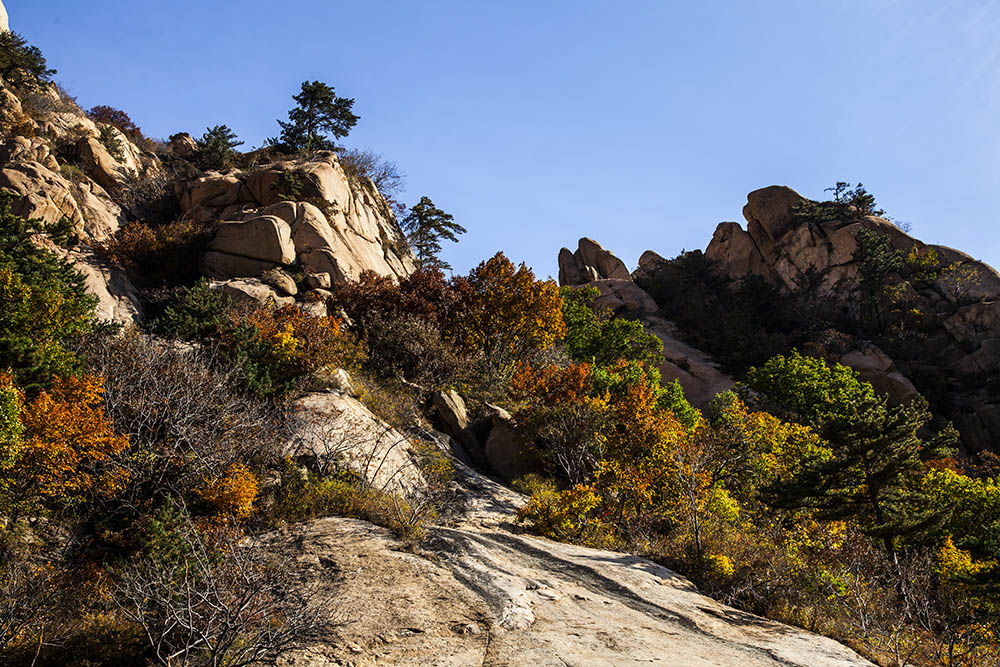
(205,355)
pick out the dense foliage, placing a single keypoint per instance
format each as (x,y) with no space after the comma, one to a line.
(43,302)
(22,65)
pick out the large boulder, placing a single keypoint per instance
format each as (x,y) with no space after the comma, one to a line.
(454,420)
(266,238)
(331,427)
(222,266)
(877,368)
(505,452)
(251,292)
(98,163)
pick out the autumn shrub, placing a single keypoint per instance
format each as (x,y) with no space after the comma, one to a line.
(425,294)
(118,119)
(568,515)
(508,314)
(159,255)
(559,415)
(272,350)
(232,493)
(408,328)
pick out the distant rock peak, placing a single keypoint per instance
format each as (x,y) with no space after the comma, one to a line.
(590,262)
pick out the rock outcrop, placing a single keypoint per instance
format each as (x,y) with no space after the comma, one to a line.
(958,306)
(696,371)
(590,262)
(303,216)
(317,218)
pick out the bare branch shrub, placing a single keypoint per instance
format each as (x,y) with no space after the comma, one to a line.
(29,604)
(412,348)
(218,601)
(184,416)
(148,196)
(361,164)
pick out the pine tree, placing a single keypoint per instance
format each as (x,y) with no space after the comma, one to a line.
(21,64)
(319,113)
(218,147)
(425,225)
(877,452)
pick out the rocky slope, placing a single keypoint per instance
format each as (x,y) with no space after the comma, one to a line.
(479,591)
(591,264)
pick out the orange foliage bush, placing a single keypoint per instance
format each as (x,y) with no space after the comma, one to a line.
(550,385)
(67,443)
(233,493)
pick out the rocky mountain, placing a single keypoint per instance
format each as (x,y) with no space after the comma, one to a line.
(946,345)
(276,218)
(421,553)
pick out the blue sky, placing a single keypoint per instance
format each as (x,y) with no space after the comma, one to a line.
(640,124)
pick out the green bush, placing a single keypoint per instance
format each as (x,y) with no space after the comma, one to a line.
(43,304)
(599,338)
(112,142)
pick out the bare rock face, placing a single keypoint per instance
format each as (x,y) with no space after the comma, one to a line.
(98,163)
(48,196)
(267,238)
(4,21)
(875,367)
(336,226)
(590,262)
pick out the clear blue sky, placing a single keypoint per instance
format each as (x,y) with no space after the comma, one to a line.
(640,124)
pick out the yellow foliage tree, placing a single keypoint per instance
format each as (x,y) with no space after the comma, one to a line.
(508,312)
